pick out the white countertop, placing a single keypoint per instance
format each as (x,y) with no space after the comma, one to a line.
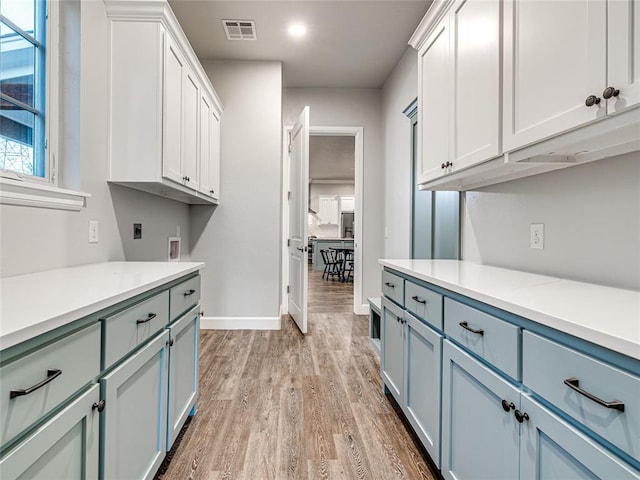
(606,316)
(36,303)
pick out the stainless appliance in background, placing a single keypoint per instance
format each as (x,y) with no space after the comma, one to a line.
(346,224)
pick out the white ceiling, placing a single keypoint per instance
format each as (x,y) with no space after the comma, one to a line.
(349,43)
(332,158)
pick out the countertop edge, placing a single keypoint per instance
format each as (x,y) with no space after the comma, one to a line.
(604,339)
(31,331)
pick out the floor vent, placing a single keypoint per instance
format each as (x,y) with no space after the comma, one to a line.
(240,29)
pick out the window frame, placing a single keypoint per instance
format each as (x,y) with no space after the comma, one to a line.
(22,189)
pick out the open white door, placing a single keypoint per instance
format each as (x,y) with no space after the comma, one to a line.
(298,214)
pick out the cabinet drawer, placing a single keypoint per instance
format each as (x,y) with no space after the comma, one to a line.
(393,287)
(125,330)
(424,303)
(184,296)
(545,367)
(493,340)
(76,357)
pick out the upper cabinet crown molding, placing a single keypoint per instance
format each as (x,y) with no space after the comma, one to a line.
(494,105)
(438,9)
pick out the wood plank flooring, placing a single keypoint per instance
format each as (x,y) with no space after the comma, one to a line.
(280,405)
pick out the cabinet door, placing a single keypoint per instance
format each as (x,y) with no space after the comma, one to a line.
(204,185)
(214,168)
(64,447)
(554,58)
(624,53)
(434,104)
(183,372)
(134,421)
(422,364)
(392,355)
(479,438)
(551,449)
(347,204)
(475,60)
(172,118)
(191,102)
(328,210)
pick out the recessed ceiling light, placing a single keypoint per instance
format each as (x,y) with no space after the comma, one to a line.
(297,30)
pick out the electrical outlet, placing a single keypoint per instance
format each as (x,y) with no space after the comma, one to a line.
(537,236)
(93,231)
(137,231)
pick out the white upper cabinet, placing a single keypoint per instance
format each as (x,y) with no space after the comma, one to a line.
(209,149)
(623,54)
(555,58)
(512,88)
(174,71)
(158,133)
(328,210)
(434,100)
(459,89)
(347,203)
(475,62)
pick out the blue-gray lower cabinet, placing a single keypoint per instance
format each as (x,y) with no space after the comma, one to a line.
(133,424)
(65,447)
(422,367)
(392,351)
(183,372)
(480,437)
(551,449)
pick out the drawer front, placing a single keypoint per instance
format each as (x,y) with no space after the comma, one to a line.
(184,296)
(545,367)
(424,303)
(485,335)
(393,287)
(77,357)
(124,331)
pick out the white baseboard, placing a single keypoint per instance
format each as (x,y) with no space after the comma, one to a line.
(363,309)
(240,323)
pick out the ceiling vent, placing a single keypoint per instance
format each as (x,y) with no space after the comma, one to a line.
(240,29)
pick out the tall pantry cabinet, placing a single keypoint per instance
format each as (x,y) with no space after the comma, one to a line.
(164,113)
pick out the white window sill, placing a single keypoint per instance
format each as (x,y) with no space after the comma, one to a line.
(32,194)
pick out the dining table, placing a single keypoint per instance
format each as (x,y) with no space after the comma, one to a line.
(341,253)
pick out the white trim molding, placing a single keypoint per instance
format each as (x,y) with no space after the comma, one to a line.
(34,194)
(240,323)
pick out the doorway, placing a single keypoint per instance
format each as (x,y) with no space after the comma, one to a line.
(340,188)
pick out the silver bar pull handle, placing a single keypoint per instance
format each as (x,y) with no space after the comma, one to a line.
(574,384)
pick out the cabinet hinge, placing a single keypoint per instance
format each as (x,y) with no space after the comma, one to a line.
(288,288)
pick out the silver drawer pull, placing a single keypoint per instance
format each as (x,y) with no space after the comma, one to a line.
(150,317)
(390,285)
(466,326)
(417,299)
(189,292)
(51,374)
(574,384)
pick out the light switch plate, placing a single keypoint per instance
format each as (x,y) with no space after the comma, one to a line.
(537,236)
(93,231)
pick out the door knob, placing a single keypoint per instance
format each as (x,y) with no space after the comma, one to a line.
(507,406)
(592,100)
(521,416)
(610,92)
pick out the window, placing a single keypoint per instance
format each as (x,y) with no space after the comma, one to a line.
(23,84)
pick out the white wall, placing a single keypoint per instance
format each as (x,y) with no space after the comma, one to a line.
(399,90)
(34,239)
(240,241)
(354,108)
(591,217)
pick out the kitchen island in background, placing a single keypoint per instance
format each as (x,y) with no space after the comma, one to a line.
(326,244)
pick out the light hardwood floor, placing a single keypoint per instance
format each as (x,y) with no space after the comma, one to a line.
(280,405)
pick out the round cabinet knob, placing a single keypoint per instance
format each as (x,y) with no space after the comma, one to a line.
(610,92)
(507,406)
(592,100)
(521,416)
(98,406)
